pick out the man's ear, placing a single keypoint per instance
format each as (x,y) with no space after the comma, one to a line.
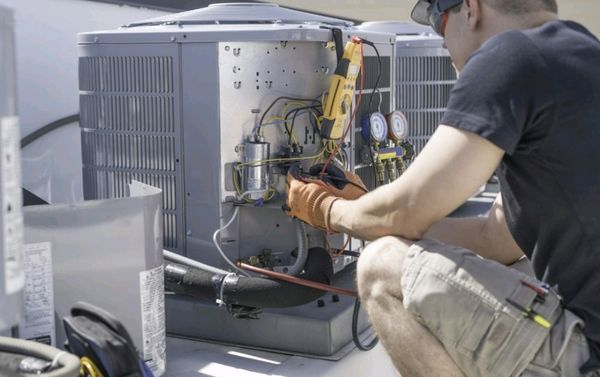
(473,9)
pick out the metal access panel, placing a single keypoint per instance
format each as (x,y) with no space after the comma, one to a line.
(246,76)
(424,77)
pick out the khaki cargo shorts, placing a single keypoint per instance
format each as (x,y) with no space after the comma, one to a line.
(461,299)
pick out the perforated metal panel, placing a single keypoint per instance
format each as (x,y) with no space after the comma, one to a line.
(129,129)
(424,77)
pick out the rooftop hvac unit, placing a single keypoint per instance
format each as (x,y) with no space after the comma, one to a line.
(193,103)
(423,77)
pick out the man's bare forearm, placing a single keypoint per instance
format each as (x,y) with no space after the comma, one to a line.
(374,215)
(450,168)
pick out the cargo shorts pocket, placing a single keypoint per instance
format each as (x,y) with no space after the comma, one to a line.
(460,298)
(563,352)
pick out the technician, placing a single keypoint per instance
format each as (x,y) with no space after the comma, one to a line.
(441,292)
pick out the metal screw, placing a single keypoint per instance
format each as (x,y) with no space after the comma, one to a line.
(173,39)
(226,48)
(320,303)
(335,298)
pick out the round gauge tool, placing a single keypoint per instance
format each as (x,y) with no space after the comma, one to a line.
(398,125)
(378,127)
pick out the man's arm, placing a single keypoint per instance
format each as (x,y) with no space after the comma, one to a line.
(451,167)
(488,236)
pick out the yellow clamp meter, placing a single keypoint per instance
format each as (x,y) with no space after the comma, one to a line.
(341,91)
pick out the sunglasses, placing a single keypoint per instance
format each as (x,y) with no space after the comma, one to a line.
(434,13)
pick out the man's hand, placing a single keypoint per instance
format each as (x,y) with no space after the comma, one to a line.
(310,201)
(310,198)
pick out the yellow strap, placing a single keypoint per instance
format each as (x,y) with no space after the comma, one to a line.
(89,369)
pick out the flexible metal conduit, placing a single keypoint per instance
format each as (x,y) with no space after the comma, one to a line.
(67,365)
(298,266)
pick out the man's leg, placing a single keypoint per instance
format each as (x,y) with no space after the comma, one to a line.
(413,349)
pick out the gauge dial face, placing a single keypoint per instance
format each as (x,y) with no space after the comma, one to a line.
(378,127)
(398,125)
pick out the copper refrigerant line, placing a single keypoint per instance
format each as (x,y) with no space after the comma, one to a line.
(295,280)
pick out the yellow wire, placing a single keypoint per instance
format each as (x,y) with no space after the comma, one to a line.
(268,195)
(276,118)
(238,190)
(262,162)
(297,105)
(89,369)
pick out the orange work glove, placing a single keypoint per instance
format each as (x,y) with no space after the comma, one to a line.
(341,183)
(309,201)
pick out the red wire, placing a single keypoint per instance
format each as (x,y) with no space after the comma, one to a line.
(330,249)
(353,118)
(295,280)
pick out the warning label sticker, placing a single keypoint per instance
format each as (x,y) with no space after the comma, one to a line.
(152,289)
(11,203)
(38,294)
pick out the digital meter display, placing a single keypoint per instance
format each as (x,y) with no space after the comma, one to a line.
(398,126)
(378,126)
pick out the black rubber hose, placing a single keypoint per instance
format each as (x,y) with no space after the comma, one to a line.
(47,129)
(355,337)
(253,292)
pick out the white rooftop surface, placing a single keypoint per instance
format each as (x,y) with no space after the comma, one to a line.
(188,358)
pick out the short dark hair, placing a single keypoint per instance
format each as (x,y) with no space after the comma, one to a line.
(523,6)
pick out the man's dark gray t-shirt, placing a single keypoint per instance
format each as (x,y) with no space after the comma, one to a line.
(536,94)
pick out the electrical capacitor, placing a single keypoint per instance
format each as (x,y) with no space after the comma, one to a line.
(256,176)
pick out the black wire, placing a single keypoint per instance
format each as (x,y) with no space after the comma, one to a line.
(347,181)
(295,112)
(262,119)
(48,128)
(355,338)
(372,161)
(376,87)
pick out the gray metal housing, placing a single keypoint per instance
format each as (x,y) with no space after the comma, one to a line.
(8,80)
(102,252)
(11,219)
(168,101)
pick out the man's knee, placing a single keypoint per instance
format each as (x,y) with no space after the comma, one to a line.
(380,266)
